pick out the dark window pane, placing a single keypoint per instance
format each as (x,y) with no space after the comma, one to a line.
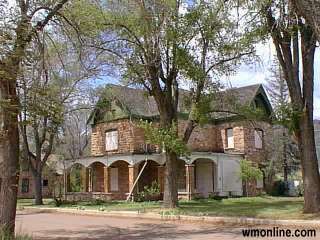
(45,183)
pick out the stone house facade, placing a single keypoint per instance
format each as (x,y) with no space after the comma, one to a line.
(119,151)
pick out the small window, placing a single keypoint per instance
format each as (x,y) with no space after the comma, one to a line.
(45,183)
(230,140)
(258,138)
(25,185)
(111,140)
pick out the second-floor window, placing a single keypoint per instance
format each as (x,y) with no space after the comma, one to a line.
(112,140)
(230,139)
(258,138)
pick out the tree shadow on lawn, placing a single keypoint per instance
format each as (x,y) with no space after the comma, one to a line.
(139,231)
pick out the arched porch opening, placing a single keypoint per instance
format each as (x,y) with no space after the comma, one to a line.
(181,175)
(149,175)
(97,170)
(205,171)
(77,178)
(118,177)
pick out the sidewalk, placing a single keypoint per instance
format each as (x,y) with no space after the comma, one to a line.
(170,217)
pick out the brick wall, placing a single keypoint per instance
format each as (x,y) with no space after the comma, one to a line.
(46,191)
(254,154)
(244,142)
(208,138)
(130,137)
(202,139)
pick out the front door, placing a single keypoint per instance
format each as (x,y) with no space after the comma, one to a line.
(204,178)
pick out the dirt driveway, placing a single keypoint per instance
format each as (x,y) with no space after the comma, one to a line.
(53,226)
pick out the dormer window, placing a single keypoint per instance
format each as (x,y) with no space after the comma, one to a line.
(112,140)
(258,138)
(230,139)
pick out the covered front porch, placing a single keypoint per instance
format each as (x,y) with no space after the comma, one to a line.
(114,177)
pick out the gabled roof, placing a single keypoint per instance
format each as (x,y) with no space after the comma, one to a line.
(136,102)
(244,95)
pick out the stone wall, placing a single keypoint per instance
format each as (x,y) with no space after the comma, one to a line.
(130,137)
(202,139)
(207,138)
(244,142)
(46,191)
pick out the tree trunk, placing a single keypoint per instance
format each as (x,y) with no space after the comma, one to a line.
(285,163)
(170,197)
(305,133)
(310,10)
(37,178)
(168,117)
(9,138)
(310,169)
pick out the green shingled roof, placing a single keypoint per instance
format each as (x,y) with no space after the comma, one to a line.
(137,102)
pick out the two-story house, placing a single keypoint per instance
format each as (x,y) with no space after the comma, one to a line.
(119,150)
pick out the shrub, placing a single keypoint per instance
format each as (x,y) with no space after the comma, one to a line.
(149,193)
(4,235)
(249,172)
(98,202)
(279,188)
(57,202)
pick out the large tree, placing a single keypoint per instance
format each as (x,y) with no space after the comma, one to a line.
(161,45)
(295,44)
(48,87)
(18,27)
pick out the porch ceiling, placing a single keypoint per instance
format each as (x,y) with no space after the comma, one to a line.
(133,159)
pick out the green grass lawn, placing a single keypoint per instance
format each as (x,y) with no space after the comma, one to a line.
(259,207)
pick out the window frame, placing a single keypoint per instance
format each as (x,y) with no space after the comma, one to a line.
(256,133)
(228,146)
(117,142)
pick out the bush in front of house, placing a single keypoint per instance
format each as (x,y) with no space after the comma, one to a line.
(279,188)
(149,193)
